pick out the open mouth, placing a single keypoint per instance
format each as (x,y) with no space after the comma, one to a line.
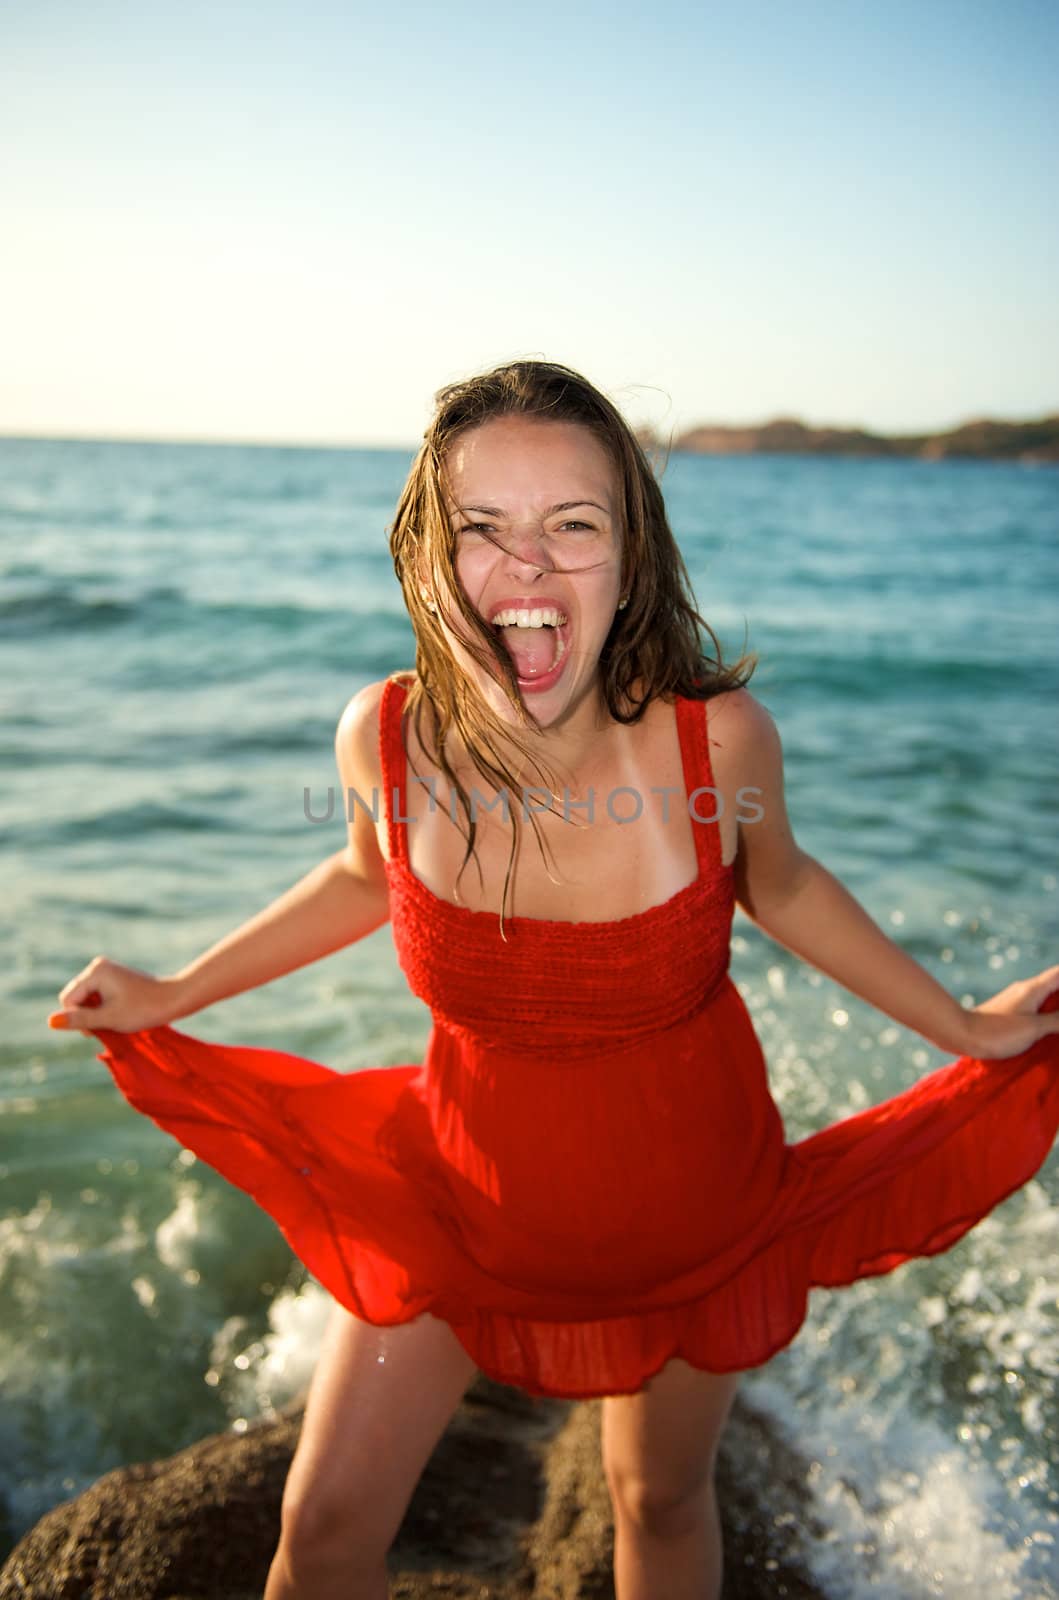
(537,641)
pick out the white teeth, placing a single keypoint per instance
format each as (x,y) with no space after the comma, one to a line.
(546,616)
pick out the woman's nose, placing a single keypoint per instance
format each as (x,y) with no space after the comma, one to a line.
(527,546)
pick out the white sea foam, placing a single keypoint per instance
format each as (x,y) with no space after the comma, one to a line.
(50,1444)
(94,1294)
(924,1404)
(259,1377)
(906,1515)
(176,1237)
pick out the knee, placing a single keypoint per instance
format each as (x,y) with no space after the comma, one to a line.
(662,1510)
(324,1530)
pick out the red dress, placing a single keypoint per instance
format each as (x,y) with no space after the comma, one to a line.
(587,1175)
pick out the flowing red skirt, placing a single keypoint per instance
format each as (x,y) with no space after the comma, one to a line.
(579,1227)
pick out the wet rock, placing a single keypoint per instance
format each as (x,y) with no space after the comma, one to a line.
(511,1506)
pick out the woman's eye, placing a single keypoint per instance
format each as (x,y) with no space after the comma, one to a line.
(572,526)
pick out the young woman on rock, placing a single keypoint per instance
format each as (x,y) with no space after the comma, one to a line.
(584,1189)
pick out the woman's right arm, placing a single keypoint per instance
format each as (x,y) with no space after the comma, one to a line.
(341,900)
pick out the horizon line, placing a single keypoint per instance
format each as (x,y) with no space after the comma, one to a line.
(232,442)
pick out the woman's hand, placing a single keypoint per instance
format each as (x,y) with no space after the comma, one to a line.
(1010,1022)
(107,995)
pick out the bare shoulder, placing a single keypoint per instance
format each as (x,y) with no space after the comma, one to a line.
(358,734)
(747,758)
(359,761)
(744,739)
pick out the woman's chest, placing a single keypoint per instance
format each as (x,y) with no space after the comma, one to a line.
(614,843)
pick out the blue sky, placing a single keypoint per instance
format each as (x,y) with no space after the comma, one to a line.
(279,223)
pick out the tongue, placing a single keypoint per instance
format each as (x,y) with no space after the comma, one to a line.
(531,649)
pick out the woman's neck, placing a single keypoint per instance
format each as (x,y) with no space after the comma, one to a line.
(581,743)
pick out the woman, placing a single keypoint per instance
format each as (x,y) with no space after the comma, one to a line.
(585,1188)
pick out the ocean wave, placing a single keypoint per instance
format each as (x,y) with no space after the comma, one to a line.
(70,608)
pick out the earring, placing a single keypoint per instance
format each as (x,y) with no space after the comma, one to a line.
(623,603)
(424,595)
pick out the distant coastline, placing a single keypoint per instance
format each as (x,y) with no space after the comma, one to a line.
(982,439)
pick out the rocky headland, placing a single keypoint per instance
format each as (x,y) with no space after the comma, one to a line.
(1032,443)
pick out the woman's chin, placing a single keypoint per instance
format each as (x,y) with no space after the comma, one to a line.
(545,696)
(544,707)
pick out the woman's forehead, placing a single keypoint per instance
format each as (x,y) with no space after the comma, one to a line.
(526,460)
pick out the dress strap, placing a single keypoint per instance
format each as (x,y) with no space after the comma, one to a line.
(394,764)
(703,797)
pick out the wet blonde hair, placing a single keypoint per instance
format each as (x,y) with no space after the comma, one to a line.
(654,642)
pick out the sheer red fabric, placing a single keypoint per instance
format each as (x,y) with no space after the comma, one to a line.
(587,1175)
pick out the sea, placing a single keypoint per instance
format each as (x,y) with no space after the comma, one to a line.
(180,628)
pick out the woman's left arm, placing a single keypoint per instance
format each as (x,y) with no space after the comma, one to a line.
(795,900)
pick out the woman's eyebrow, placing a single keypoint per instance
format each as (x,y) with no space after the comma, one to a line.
(564,505)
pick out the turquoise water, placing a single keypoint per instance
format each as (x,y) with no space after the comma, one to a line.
(180,627)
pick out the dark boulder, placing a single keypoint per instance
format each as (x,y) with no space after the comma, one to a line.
(512,1504)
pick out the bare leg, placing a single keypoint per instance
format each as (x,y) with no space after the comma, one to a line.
(659,1453)
(379,1401)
